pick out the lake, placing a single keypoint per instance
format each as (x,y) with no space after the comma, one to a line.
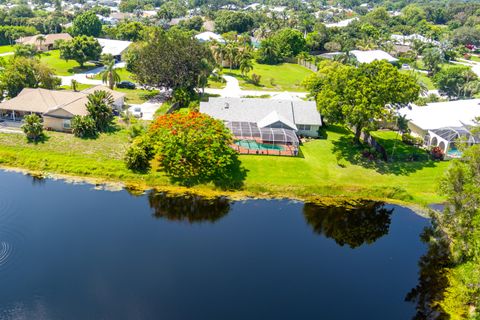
(68,251)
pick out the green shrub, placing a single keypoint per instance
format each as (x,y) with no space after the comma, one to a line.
(411,140)
(135,130)
(255,79)
(33,127)
(138,155)
(84,127)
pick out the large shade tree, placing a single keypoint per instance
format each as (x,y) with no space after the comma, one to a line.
(81,49)
(190,148)
(170,59)
(87,24)
(360,96)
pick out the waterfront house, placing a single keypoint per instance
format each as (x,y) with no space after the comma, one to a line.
(266,126)
(441,124)
(56,107)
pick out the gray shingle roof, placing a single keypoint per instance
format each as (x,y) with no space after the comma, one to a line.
(255,109)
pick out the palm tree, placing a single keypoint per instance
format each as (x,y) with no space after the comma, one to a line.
(99,106)
(246,64)
(74,85)
(232,54)
(40,39)
(110,75)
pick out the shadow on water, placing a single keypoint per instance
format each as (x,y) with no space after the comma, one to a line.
(188,208)
(37,179)
(349,226)
(432,280)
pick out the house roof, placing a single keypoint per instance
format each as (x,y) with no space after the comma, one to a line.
(372,55)
(275,117)
(262,111)
(48,101)
(209,36)
(443,114)
(49,38)
(113,47)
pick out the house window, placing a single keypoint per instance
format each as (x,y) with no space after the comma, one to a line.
(66,124)
(304,127)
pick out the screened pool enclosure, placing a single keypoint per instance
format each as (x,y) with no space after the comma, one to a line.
(449,138)
(251,139)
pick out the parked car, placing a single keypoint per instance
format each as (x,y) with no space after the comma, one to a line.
(126,85)
(406,67)
(137,112)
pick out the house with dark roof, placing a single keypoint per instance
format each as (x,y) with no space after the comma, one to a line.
(266,126)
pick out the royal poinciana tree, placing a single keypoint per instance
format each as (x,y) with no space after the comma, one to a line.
(360,96)
(170,59)
(190,148)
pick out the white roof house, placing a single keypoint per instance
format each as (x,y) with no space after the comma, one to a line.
(299,116)
(372,55)
(341,24)
(364,56)
(408,40)
(113,47)
(442,123)
(209,36)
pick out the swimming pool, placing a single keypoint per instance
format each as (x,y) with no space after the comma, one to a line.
(253,145)
(454,153)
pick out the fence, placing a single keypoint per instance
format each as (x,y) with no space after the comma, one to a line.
(308,64)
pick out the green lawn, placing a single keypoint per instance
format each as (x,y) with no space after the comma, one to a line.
(7,48)
(62,67)
(422,77)
(135,96)
(282,77)
(394,146)
(326,168)
(475,58)
(123,73)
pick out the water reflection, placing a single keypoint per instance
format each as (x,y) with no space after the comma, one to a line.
(189,208)
(432,280)
(349,226)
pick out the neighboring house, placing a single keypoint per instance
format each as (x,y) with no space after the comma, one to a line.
(56,107)
(408,40)
(441,124)
(114,47)
(46,44)
(364,56)
(208,36)
(266,126)
(341,24)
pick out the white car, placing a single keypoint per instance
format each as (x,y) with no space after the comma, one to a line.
(137,112)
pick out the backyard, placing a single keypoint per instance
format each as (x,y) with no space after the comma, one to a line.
(326,168)
(7,48)
(281,77)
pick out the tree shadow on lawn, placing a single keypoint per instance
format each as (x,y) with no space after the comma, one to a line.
(244,78)
(230,178)
(345,148)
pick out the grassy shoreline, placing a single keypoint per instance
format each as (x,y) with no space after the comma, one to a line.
(325,172)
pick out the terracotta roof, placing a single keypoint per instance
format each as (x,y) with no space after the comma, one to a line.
(49,38)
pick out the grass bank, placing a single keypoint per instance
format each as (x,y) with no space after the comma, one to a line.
(62,67)
(326,168)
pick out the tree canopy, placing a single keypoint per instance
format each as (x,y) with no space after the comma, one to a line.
(358,96)
(190,148)
(81,49)
(170,59)
(87,24)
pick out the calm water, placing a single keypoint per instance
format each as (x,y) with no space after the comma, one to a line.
(70,252)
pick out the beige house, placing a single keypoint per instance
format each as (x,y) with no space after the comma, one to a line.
(57,108)
(45,44)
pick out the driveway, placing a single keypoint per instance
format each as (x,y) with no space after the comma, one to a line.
(86,77)
(148,109)
(232,89)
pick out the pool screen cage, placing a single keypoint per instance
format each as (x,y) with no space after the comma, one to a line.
(250,131)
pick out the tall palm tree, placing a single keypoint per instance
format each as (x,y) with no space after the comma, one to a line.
(40,39)
(110,74)
(246,64)
(232,54)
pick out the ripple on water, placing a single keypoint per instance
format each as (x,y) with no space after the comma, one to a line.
(11,234)
(5,252)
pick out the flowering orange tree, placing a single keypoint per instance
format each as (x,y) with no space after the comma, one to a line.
(190,148)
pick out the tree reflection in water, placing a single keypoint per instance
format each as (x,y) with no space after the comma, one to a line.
(188,207)
(432,280)
(352,226)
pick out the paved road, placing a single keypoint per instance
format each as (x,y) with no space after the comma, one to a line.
(86,77)
(473,64)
